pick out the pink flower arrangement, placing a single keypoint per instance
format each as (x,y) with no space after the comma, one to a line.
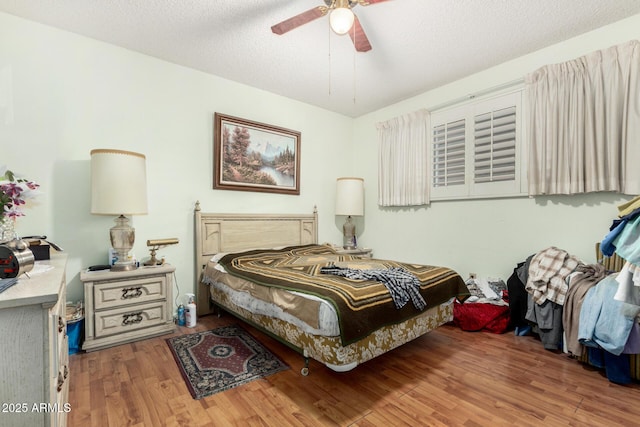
(13,193)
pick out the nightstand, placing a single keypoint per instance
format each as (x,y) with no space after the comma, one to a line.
(125,306)
(363,252)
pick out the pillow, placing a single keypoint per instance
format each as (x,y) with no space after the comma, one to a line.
(217,257)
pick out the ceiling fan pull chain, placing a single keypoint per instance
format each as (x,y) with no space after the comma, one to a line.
(353,28)
(329,32)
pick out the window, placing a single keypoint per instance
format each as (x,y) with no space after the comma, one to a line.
(476,149)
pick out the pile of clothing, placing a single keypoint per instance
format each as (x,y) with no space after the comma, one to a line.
(583,309)
(609,325)
(547,287)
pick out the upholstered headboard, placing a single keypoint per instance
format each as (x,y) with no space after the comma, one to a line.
(215,233)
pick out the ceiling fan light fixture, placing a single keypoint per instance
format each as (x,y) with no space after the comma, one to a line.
(341,20)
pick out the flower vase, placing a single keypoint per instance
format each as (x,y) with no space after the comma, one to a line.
(7,230)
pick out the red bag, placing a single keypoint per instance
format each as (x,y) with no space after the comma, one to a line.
(481,317)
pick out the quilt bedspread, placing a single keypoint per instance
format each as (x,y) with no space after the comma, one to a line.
(363,306)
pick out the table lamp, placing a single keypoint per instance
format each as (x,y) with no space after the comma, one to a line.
(349,202)
(119,187)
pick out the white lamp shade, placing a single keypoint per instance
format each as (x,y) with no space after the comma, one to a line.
(118,182)
(350,196)
(341,20)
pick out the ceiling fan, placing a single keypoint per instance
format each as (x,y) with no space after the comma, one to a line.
(341,19)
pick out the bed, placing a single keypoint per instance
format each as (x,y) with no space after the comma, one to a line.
(239,264)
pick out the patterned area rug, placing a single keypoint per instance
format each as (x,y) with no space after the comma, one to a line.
(220,359)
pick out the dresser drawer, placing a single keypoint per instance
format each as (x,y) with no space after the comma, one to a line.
(131,318)
(136,291)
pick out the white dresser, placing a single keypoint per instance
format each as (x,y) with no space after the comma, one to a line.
(34,355)
(126,306)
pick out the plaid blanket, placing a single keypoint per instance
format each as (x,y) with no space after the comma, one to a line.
(362,305)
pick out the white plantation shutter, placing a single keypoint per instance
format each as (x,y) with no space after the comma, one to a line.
(494,157)
(476,149)
(448,154)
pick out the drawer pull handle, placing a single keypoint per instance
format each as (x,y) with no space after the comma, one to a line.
(132,292)
(60,382)
(61,324)
(131,318)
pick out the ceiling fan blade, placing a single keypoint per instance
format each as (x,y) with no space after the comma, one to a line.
(359,38)
(298,20)
(368,2)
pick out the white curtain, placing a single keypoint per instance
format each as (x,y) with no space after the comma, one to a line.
(584,123)
(403,167)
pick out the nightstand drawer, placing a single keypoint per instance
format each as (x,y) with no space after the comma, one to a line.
(137,291)
(132,318)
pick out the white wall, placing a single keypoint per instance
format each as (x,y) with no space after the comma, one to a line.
(70,94)
(487,237)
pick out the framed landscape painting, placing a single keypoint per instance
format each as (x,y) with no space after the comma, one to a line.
(251,156)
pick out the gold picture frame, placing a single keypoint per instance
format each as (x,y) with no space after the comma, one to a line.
(252,156)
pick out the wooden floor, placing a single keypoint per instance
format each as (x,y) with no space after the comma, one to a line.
(445,378)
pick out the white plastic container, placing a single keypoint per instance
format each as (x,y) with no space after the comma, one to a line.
(190,311)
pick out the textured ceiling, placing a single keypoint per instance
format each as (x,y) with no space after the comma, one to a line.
(417,44)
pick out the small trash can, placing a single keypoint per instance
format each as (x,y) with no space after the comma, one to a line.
(75,326)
